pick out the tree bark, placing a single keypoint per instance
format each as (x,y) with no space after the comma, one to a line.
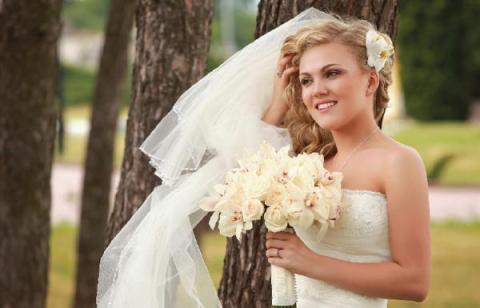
(100,149)
(246,272)
(171,54)
(29,31)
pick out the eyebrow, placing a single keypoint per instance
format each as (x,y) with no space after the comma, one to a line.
(322,69)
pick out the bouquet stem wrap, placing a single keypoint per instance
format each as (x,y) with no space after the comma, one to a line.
(283,285)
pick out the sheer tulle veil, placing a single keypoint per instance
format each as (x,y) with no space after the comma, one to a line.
(154,261)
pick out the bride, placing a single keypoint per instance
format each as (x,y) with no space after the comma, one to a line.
(330,82)
(335,97)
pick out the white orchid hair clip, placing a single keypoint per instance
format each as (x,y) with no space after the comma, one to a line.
(379,50)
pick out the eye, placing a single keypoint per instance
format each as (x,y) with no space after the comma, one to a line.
(304,81)
(332,73)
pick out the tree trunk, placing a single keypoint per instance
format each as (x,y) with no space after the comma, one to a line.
(100,149)
(171,54)
(246,272)
(29,31)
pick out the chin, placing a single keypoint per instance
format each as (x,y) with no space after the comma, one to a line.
(329,123)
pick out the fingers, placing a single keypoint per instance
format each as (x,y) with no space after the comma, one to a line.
(278,262)
(283,71)
(282,63)
(273,253)
(278,235)
(289,72)
(274,243)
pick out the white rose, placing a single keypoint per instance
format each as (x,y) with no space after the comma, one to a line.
(256,186)
(275,218)
(276,195)
(252,209)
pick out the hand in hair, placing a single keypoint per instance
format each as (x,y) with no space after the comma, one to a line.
(278,107)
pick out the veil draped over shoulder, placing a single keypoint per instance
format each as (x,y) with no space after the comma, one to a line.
(154,261)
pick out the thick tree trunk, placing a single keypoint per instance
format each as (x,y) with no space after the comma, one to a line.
(246,272)
(28,36)
(100,149)
(171,54)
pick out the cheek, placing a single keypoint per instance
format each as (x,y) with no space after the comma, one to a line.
(343,87)
(306,99)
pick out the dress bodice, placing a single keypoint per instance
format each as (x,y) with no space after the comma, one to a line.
(359,235)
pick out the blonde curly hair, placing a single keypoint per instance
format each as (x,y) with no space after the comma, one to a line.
(307,135)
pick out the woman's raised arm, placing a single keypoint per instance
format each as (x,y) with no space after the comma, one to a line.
(275,113)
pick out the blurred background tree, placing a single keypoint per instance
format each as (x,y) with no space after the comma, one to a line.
(29,31)
(440,57)
(98,164)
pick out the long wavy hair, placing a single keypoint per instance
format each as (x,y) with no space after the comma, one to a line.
(307,135)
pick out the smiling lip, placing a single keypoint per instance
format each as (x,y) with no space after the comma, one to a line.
(325,105)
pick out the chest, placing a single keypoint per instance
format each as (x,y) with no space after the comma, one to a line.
(365,171)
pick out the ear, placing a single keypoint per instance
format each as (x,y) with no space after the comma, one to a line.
(373,82)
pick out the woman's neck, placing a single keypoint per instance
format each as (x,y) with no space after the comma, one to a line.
(348,137)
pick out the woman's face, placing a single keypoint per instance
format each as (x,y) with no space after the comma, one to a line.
(334,88)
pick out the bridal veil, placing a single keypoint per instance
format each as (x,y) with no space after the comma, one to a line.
(154,261)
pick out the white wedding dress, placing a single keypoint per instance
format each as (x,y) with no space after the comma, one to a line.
(360,235)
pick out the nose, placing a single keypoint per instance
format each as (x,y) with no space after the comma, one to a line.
(319,88)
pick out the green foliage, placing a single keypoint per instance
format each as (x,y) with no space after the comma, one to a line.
(440,59)
(86,14)
(244,30)
(79,85)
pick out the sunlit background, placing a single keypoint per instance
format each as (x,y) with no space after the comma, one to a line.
(435,107)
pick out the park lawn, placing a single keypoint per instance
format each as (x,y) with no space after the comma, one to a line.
(75,149)
(455,255)
(76,145)
(435,140)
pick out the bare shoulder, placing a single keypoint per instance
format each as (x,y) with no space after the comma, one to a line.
(404,174)
(397,166)
(400,156)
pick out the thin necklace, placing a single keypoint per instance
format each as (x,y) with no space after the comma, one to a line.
(356,148)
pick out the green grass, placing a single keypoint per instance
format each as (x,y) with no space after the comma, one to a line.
(62,271)
(455,256)
(434,140)
(75,145)
(75,148)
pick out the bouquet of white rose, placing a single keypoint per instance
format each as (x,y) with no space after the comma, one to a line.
(287,191)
